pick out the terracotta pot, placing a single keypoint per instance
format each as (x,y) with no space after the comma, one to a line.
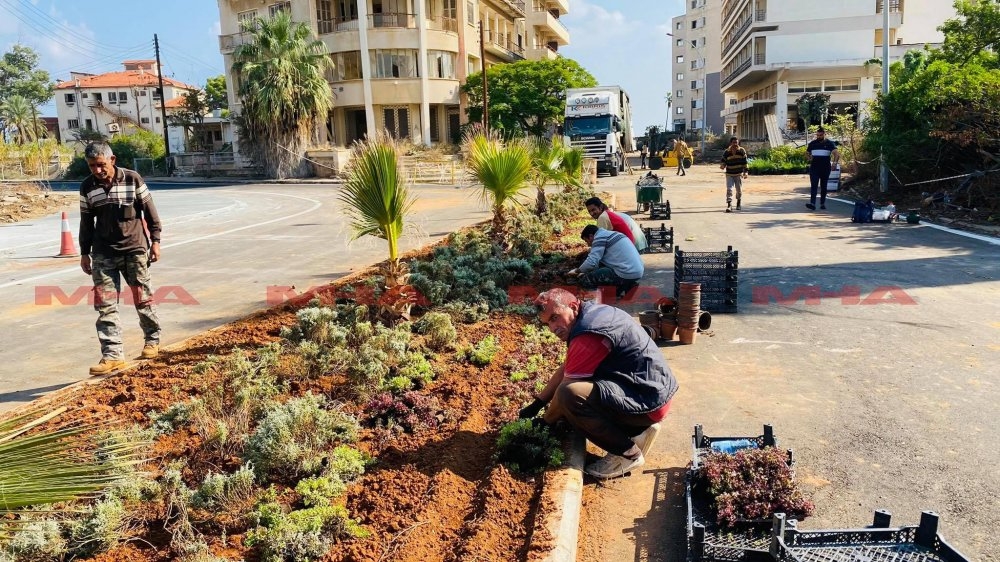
(687,335)
(668,329)
(704,321)
(649,318)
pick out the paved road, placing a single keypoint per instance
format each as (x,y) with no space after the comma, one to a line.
(890,400)
(223,247)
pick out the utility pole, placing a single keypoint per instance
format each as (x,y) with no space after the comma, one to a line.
(482,62)
(883,169)
(163,104)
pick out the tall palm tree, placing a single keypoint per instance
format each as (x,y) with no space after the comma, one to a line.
(502,169)
(283,91)
(19,118)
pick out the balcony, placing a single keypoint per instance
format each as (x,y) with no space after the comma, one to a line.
(443,24)
(550,26)
(228,43)
(542,53)
(500,44)
(511,8)
(337,24)
(392,20)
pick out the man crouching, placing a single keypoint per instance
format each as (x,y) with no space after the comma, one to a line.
(614,387)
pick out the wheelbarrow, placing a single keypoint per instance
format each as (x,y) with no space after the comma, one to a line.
(648,190)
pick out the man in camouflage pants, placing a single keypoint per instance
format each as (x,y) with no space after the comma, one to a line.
(116,208)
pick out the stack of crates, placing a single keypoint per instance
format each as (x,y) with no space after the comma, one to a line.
(659,239)
(659,211)
(718,273)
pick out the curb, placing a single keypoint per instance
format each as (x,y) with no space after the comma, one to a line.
(981,237)
(566,495)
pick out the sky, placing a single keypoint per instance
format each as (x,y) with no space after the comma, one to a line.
(620,42)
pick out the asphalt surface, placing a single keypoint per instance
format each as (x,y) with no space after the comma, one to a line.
(889,399)
(227,251)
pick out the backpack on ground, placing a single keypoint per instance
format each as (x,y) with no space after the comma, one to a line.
(863,211)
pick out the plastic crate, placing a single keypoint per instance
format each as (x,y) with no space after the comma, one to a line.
(707,257)
(659,211)
(659,239)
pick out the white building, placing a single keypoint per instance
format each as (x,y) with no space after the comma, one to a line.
(116,102)
(774,51)
(399,63)
(696,66)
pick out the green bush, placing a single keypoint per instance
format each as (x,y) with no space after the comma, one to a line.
(438,328)
(35,541)
(346,464)
(767,167)
(229,494)
(302,535)
(104,524)
(522,447)
(295,438)
(417,369)
(482,353)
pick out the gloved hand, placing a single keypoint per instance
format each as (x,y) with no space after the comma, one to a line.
(531,410)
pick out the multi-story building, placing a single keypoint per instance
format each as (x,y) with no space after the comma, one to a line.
(774,51)
(116,102)
(696,99)
(399,64)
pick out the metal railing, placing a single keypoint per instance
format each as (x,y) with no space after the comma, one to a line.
(337,24)
(503,41)
(517,5)
(761,15)
(894,6)
(443,24)
(736,71)
(396,20)
(735,36)
(760,58)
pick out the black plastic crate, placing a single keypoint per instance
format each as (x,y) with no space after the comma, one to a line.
(708,276)
(659,211)
(659,239)
(709,257)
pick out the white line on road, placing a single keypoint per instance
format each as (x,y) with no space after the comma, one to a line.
(982,238)
(316,205)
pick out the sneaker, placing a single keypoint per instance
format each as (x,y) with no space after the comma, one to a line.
(810,206)
(150,350)
(107,366)
(613,466)
(645,439)
(823,207)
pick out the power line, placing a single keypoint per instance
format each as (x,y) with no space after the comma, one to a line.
(104,62)
(50,21)
(42,28)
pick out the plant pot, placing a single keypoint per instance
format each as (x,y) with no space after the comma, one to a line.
(687,336)
(668,329)
(704,321)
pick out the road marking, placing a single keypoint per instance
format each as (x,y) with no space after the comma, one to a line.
(316,205)
(744,340)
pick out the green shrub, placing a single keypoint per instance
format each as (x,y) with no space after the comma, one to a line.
(466,313)
(766,167)
(103,525)
(438,328)
(38,540)
(295,437)
(523,447)
(231,495)
(302,535)
(345,465)
(177,415)
(319,490)
(408,412)
(417,369)
(482,353)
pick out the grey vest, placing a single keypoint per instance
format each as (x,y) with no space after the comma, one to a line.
(634,378)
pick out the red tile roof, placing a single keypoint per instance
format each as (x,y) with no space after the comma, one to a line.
(121,78)
(174,102)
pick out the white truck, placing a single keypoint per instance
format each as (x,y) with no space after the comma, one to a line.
(599,121)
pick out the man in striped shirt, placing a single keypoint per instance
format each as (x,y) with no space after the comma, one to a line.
(734,162)
(823,158)
(116,209)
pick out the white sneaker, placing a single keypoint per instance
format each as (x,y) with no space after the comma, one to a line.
(613,466)
(645,439)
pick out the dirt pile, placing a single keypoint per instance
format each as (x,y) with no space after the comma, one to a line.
(24,201)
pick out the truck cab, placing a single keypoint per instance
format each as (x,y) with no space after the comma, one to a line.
(597,120)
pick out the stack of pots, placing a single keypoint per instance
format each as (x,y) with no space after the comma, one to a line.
(688,310)
(668,318)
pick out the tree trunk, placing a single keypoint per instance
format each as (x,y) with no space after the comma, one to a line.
(541,203)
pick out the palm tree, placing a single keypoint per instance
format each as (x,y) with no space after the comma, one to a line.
(502,169)
(547,167)
(55,465)
(376,192)
(283,91)
(572,164)
(19,118)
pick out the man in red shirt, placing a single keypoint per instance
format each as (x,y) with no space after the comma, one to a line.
(614,387)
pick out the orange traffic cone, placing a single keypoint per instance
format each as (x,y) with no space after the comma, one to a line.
(67,249)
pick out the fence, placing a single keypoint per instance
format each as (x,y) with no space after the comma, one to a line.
(31,168)
(213,164)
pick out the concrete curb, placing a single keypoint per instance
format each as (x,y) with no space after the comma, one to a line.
(566,495)
(981,237)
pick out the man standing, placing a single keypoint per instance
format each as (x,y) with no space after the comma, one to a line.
(614,386)
(114,204)
(734,162)
(613,260)
(823,158)
(643,155)
(618,222)
(681,151)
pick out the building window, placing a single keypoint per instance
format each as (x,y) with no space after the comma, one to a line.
(395,63)
(679,94)
(679,26)
(122,97)
(144,120)
(679,110)
(247,19)
(112,97)
(470,12)
(157,120)
(435,125)
(157,94)
(680,42)
(396,120)
(84,95)
(275,9)
(88,124)
(680,76)
(441,64)
(70,99)
(346,66)
(142,93)
(680,59)
(73,124)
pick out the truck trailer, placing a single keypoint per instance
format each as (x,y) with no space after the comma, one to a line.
(599,121)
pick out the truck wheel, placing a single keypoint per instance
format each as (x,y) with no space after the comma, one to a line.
(614,170)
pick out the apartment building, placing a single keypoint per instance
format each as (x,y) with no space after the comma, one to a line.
(399,64)
(696,65)
(774,51)
(116,102)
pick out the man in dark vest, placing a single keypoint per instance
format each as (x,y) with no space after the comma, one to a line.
(614,387)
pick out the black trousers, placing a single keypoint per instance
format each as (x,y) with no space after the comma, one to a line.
(818,179)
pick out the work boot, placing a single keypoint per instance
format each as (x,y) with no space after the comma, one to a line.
(822,207)
(150,351)
(810,206)
(737,204)
(613,466)
(107,366)
(645,439)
